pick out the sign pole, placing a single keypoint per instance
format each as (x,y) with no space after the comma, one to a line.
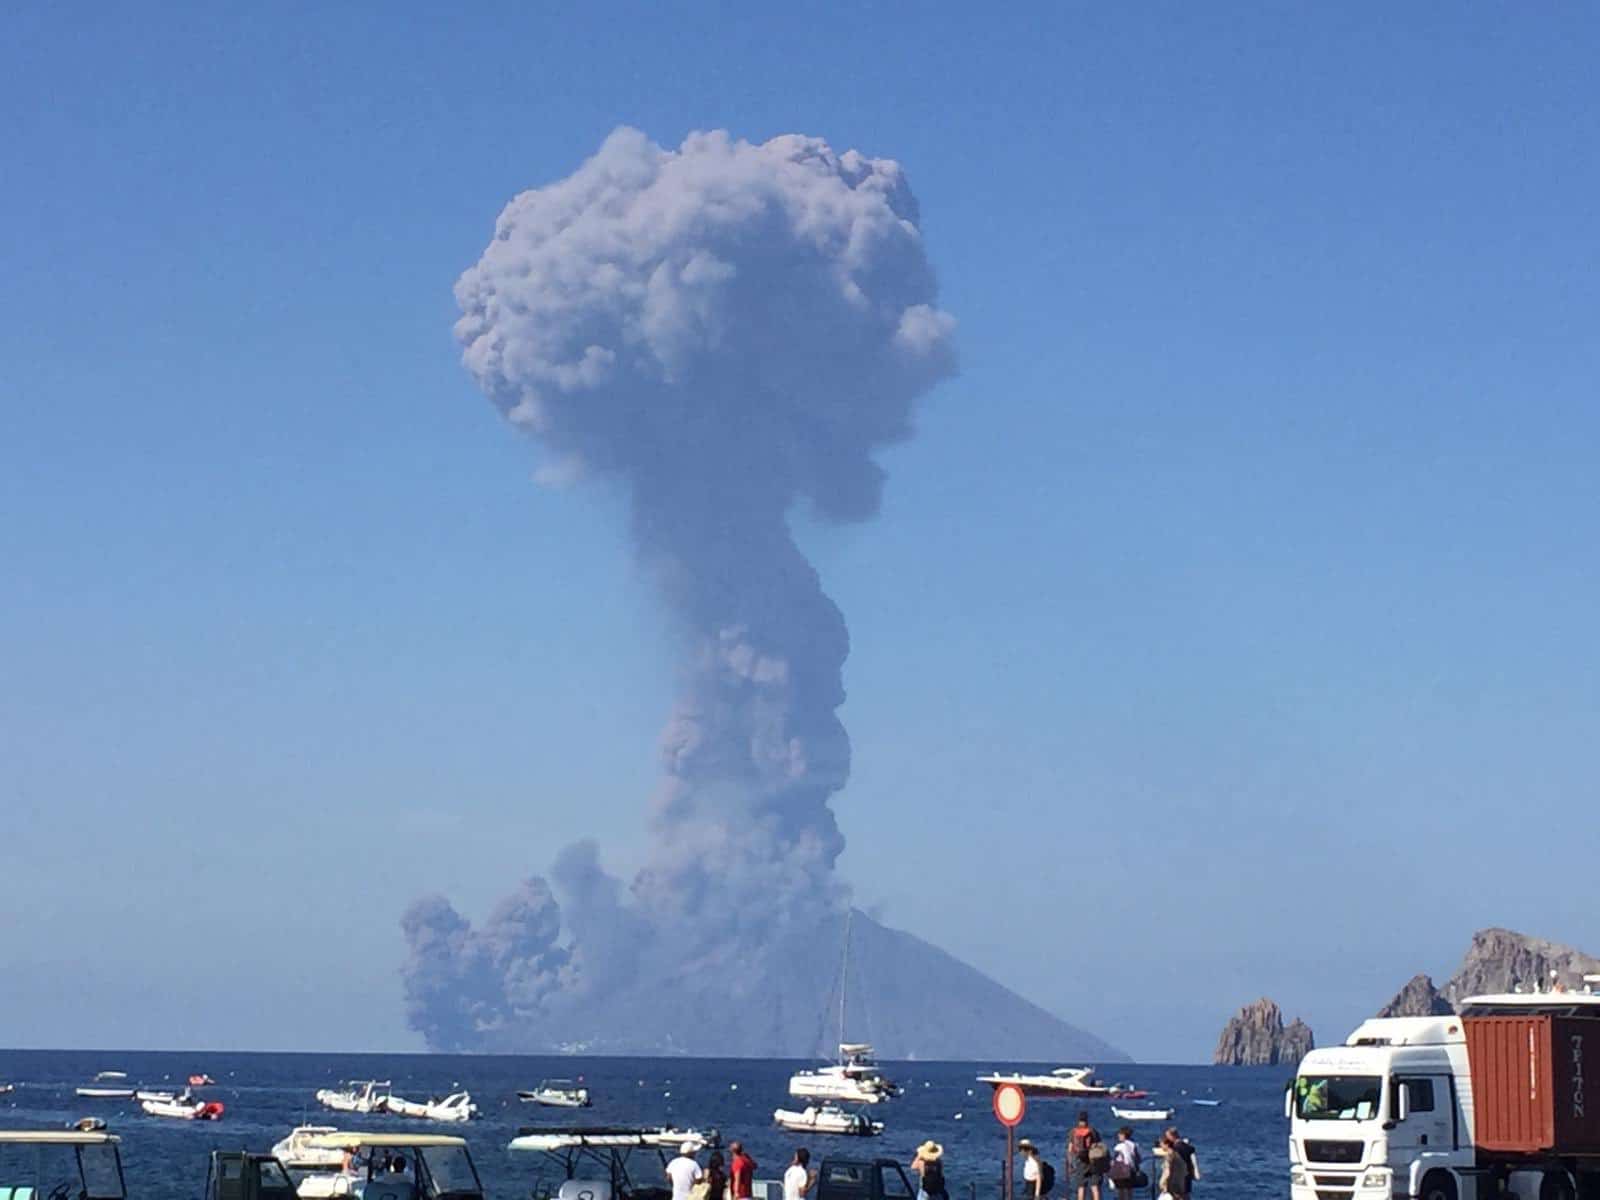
(1009,1106)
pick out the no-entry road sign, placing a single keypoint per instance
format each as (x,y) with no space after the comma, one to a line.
(1009,1105)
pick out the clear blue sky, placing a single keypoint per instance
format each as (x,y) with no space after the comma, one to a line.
(1229,628)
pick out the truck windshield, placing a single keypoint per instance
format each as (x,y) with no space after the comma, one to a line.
(1337,1097)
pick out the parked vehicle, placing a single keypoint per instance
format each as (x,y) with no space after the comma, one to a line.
(1487,1103)
(390,1166)
(77,1163)
(240,1175)
(598,1162)
(863,1179)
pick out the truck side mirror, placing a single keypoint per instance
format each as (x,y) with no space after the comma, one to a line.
(1402,1101)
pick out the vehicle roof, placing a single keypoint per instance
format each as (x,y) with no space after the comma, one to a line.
(351,1140)
(59,1137)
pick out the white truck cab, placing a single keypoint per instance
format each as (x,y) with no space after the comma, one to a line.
(1374,1117)
(1390,1114)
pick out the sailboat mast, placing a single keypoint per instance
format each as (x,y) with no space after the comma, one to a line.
(844,972)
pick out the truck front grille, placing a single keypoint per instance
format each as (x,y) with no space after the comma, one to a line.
(1333,1152)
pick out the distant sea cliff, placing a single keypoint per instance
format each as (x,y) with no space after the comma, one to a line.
(1498,960)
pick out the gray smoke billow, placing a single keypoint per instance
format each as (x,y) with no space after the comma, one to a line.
(728,330)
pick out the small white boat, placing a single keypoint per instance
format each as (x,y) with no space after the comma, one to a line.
(7,1088)
(1142,1114)
(457,1106)
(557,1093)
(184,1109)
(827,1118)
(357,1096)
(555,1140)
(143,1094)
(401,1107)
(107,1085)
(1207,1103)
(297,1154)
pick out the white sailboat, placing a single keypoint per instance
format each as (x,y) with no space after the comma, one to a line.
(856,1078)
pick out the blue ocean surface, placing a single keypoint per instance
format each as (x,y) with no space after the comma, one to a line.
(1242,1142)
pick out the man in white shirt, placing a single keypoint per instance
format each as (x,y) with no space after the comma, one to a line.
(797,1180)
(684,1172)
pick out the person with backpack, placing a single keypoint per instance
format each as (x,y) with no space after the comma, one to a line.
(1087,1158)
(1038,1176)
(1125,1175)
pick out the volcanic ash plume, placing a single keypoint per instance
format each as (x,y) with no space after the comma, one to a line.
(727,329)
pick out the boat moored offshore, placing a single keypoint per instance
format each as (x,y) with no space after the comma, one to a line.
(557,1093)
(828,1118)
(1068,1082)
(357,1096)
(855,1079)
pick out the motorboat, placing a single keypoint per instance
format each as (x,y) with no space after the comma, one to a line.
(107,1085)
(7,1088)
(457,1106)
(297,1153)
(399,1106)
(1074,1082)
(1142,1114)
(143,1094)
(557,1093)
(433,1165)
(1207,1103)
(184,1109)
(88,1124)
(855,1079)
(554,1139)
(201,1080)
(357,1096)
(828,1118)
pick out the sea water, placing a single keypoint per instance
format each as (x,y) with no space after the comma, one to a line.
(1242,1142)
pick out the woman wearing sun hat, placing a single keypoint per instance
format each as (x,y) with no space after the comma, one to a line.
(929,1166)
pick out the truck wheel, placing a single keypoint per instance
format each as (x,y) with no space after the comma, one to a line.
(1439,1185)
(1557,1185)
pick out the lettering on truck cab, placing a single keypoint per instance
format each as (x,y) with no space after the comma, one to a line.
(1577,1076)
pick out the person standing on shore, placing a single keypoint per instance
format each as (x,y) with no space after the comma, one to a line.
(684,1172)
(1086,1158)
(1125,1160)
(716,1181)
(929,1166)
(1191,1161)
(1038,1176)
(797,1180)
(1174,1167)
(742,1174)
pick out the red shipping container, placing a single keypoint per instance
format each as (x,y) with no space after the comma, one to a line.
(1530,1083)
